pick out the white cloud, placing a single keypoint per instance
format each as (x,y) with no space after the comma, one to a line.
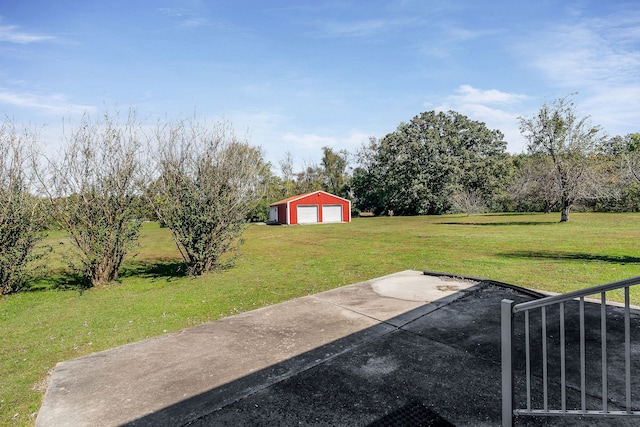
(307,148)
(186,18)
(617,110)
(348,141)
(362,28)
(583,55)
(306,141)
(449,37)
(469,94)
(193,23)
(599,58)
(55,104)
(12,34)
(497,109)
(355,139)
(353,29)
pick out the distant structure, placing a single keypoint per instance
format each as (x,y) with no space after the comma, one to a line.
(311,208)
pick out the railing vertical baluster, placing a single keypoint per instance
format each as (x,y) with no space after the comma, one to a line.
(544,360)
(583,369)
(527,358)
(603,328)
(507,362)
(627,348)
(563,376)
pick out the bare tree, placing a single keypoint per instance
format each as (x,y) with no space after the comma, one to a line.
(535,186)
(571,143)
(207,181)
(288,175)
(468,201)
(286,167)
(20,220)
(631,156)
(309,179)
(92,191)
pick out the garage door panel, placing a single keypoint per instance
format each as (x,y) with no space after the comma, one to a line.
(332,213)
(307,214)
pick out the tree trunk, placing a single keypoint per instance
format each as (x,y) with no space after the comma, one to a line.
(564,214)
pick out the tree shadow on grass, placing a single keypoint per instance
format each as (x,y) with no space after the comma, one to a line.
(615,259)
(503,223)
(72,282)
(154,270)
(65,280)
(60,282)
(516,214)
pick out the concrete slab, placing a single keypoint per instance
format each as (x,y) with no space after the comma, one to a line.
(399,298)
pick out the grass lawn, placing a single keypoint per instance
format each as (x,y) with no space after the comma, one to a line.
(56,322)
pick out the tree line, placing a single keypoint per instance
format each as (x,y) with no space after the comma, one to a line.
(444,162)
(204,183)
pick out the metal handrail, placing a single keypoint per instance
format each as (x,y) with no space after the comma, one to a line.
(554,299)
(509,308)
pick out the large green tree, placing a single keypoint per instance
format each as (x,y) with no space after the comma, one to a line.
(418,168)
(570,143)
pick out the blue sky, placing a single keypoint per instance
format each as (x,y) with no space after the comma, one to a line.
(299,75)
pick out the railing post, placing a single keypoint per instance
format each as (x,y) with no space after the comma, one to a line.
(507,362)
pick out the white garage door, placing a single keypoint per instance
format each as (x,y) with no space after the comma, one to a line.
(307,214)
(332,213)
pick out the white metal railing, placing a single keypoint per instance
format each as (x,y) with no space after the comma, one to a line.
(510,308)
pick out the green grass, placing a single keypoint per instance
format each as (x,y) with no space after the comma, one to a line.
(56,322)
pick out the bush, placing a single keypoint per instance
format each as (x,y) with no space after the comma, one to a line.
(21,224)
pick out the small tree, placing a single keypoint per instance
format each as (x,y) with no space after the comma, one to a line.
(631,156)
(334,168)
(20,221)
(288,177)
(207,182)
(468,201)
(309,179)
(92,191)
(570,142)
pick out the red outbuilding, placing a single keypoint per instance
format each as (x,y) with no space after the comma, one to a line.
(310,208)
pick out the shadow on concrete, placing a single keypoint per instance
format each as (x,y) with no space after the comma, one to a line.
(446,359)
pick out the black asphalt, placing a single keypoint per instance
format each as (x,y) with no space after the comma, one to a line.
(447,361)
